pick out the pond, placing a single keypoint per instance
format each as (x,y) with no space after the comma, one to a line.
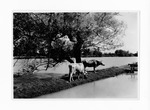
(122,86)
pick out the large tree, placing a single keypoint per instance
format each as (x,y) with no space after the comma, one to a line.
(36,33)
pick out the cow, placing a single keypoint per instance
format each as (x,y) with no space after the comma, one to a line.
(92,63)
(76,68)
(133,67)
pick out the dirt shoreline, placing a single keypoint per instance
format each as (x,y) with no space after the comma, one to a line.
(31,86)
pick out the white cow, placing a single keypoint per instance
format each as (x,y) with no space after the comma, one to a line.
(76,68)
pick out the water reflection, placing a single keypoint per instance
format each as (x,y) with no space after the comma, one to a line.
(123,86)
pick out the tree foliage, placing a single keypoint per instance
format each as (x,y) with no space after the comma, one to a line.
(43,34)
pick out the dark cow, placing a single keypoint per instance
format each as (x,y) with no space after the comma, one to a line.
(133,67)
(92,63)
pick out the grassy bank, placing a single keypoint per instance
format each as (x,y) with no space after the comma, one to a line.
(30,86)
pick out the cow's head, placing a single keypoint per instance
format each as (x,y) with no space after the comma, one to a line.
(100,63)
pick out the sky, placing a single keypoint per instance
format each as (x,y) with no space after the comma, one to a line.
(130,39)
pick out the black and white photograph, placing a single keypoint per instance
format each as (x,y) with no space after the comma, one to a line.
(76,55)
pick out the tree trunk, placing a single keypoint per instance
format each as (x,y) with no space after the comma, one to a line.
(49,50)
(48,56)
(77,54)
(77,49)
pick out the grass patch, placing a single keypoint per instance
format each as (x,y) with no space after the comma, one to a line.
(30,86)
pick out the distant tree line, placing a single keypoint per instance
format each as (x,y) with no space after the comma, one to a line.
(96,53)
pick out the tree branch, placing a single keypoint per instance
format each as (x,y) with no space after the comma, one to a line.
(15,62)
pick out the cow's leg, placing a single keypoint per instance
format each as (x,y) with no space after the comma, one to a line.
(74,72)
(78,74)
(71,72)
(85,74)
(70,76)
(84,68)
(94,69)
